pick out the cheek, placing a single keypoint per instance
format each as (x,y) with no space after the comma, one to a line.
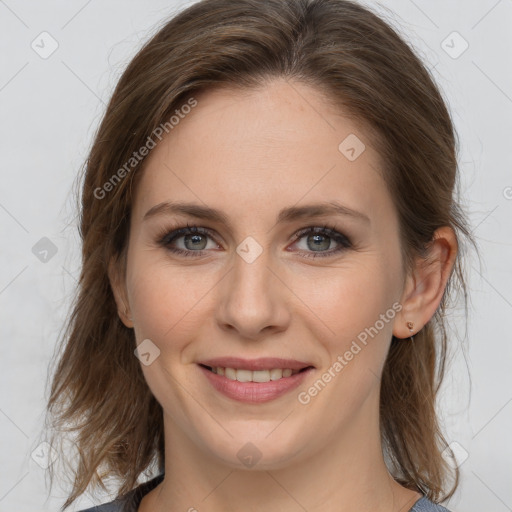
(166,300)
(358,305)
(348,299)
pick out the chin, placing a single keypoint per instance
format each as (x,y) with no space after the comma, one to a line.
(253,452)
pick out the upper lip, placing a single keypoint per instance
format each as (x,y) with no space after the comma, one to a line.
(262,363)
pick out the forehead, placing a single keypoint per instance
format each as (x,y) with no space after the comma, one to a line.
(255,151)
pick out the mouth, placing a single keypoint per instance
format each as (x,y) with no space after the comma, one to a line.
(254,381)
(263,375)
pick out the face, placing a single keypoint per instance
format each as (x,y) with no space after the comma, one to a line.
(274,274)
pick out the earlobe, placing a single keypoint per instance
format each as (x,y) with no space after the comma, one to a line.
(119,292)
(426,284)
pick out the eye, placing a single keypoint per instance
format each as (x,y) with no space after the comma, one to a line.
(313,241)
(318,239)
(187,241)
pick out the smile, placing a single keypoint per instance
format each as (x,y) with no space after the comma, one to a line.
(254,386)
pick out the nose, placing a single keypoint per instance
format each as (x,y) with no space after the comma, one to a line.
(253,299)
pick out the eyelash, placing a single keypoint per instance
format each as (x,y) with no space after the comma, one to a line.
(167,237)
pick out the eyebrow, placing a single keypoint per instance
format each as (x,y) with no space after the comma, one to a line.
(286,215)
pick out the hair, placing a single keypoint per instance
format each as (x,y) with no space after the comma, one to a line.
(362,65)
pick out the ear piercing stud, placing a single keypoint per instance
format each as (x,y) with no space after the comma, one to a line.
(410,326)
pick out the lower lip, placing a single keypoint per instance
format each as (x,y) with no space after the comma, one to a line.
(254,392)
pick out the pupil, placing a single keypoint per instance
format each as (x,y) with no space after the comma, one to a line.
(196,239)
(318,240)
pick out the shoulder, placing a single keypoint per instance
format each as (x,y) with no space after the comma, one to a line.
(106,507)
(125,503)
(113,506)
(425,505)
(130,501)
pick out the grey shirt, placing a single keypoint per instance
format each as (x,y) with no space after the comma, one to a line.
(130,502)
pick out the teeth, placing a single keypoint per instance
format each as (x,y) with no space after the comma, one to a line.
(243,375)
(230,373)
(263,375)
(275,374)
(254,376)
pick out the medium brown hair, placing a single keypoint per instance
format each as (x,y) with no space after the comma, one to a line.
(361,64)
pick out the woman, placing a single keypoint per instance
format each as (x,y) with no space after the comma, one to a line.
(269,236)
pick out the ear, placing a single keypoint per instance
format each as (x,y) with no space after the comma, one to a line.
(116,275)
(426,283)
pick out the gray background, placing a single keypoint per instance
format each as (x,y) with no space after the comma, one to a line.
(50,108)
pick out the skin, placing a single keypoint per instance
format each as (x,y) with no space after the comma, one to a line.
(251,154)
